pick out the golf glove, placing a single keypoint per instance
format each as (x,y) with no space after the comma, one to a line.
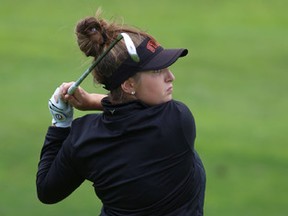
(62,113)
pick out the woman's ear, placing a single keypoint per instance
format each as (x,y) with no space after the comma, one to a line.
(128,86)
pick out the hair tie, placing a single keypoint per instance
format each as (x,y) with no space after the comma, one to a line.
(93,30)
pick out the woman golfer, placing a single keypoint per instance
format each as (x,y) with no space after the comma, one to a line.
(139,151)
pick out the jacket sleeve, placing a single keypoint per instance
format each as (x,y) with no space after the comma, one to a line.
(56,175)
(187,123)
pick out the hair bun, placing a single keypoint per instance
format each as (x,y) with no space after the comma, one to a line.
(91,36)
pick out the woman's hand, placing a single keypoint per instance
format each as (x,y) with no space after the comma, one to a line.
(81,99)
(62,112)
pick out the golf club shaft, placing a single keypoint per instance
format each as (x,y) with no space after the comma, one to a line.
(73,87)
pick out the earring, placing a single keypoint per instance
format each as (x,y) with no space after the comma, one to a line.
(133,93)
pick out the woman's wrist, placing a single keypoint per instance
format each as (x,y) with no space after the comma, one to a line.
(95,101)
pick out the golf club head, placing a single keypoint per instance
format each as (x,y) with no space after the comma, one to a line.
(130,47)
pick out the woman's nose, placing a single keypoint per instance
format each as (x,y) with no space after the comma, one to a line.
(169,76)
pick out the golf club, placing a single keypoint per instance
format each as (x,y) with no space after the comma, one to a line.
(130,48)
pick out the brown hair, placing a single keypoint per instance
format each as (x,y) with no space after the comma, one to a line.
(94,35)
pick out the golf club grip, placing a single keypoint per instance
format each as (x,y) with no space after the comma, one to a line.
(73,87)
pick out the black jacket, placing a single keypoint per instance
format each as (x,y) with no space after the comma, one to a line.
(140,158)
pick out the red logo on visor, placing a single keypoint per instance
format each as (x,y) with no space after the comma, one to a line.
(152,45)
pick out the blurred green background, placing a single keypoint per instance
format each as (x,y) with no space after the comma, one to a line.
(234,80)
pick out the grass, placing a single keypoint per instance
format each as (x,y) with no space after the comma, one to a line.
(234,80)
